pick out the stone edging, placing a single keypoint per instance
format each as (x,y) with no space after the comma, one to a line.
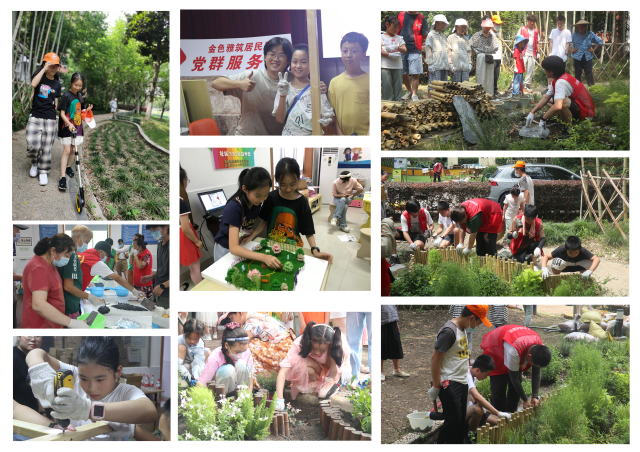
(151,143)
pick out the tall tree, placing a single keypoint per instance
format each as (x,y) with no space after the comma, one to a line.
(151,29)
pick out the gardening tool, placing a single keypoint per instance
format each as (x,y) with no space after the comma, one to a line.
(80,195)
(63,379)
(548,329)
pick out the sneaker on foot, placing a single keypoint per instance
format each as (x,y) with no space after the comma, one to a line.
(33,172)
(62,185)
(414,98)
(400,374)
(70,172)
(43,179)
(334,221)
(382,377)
(215,335)
(328,388)
(406,96)
(206,337)
(364,369)
(345,229)
(394,260)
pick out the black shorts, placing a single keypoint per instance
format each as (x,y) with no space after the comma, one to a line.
(573,269)
(449,238)
(575,110)
(414,236)
(483,419)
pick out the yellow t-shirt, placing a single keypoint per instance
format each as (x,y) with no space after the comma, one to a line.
(349,98)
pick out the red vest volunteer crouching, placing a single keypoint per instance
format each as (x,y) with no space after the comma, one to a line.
(422,219)
(520,337)
(491,215)
(533,232)
(580,96)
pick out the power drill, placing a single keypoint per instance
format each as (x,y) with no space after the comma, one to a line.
(63,379)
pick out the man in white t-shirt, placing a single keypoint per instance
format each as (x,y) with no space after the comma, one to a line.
(446,235)
(525,183)
(513,203)
(479,410)
(416,225)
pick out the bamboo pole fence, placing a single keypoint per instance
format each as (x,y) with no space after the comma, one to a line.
(506,269)
(620,186)
(498,433)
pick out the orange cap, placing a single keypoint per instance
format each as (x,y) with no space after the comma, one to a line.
(51,57)
(519,164)
(496,19)
(480,311)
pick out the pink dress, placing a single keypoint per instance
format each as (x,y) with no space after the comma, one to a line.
(299,375)
(216,361)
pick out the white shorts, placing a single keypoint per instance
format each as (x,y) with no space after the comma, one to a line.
(67,141)
(113,110)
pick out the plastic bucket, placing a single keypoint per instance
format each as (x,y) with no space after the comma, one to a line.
(420,420)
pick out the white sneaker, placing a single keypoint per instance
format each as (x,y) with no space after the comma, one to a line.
(334,221)
(215,335)
(206,337)
(345,229)
(33,172)
(382,377)
(406,96)
(414,98)
(43,179)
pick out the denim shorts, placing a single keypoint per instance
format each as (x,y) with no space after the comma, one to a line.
(412,63)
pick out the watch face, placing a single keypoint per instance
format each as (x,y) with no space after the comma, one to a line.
(98,411)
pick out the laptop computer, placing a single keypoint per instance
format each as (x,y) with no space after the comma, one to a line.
(213,202)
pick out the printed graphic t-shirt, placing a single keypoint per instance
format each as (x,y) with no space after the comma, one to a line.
(287,219)
(71,105)
(44,98)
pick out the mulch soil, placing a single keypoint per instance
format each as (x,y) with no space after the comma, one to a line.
(418,331)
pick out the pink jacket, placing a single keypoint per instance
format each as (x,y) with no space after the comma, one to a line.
(216,361)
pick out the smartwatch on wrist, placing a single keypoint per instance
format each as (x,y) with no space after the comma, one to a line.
(314,248)
(98,411)
(162,286)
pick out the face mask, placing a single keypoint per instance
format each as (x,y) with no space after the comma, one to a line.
(234,356)
(16,238)
(104,259)
(157,235)
(83,248)
(62,262)
(497,28)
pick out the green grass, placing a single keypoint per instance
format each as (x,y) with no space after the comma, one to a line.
(118,195)
(157,130)
(155,206)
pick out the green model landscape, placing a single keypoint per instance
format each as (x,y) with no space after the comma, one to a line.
(270,279)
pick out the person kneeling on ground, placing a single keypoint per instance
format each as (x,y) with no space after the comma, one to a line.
(527,238)
(191,350)
(482,219)
(514,349)
(570,257)
(479,410)
(451,234)
(449,369)
(416,225)
(343,193)
(566,97)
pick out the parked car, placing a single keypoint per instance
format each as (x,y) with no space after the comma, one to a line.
(505,178)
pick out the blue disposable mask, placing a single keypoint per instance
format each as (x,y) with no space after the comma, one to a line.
(157,235)
(83,248)
(62,262)
(104,259)
(16,238)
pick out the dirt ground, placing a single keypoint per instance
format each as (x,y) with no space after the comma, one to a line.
(418,331)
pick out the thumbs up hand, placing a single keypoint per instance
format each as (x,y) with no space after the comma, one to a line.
(283,84)
(247,84)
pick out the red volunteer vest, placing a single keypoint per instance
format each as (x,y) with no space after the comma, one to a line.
(524,31)
(520,337)
(417,28)
(491,214)
(580,96)
(437,168)
(422,219)
(87,260)
(515,243)
(138,273)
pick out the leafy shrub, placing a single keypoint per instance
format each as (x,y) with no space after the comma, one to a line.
(417,282)
(528,284)
(578,287)
(565,347)
(484,388)
(487,284)
(613,237)
(434,258)
(618,385)
(267,380)
(360,399)
(622,424)
(550,373)
(453,281)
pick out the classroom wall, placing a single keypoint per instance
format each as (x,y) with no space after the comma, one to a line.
(200,168)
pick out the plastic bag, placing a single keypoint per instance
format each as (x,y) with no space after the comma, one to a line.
(581,337)
(126,323)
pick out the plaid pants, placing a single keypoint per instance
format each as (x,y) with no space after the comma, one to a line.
(40,133)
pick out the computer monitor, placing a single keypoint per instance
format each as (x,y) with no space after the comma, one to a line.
(213,200)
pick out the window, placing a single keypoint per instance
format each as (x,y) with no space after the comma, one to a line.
(100,232)
(554,173)
(535,172)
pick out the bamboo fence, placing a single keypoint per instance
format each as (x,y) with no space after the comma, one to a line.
(498,433)
(506,269)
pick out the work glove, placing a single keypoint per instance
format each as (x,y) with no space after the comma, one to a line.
(42,386)
(542,123)
(68,404)
(395,56)
(280,404)
(519,223)
(391,49)
(95,300)
(134,252)
(545,273)
(325,121)
(451,68)
(184,372)
(586,274)
(514,234)
(470,67)
(466,251)
(519,308)
(434,393)
(536,252)
(459,248)
(78,324)
(529,119)
(504,415)
(558,264)
(283,84)
(413,247)
(437,241)
(139,293)
(121,430)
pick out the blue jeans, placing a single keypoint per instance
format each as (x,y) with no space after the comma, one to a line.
(517,80)
(341,211)
(355,326)
(219,251)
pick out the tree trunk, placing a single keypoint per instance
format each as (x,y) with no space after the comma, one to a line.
(37,48)
(154,83)
(57,47)
(14,47)
(164,102)
(604,36)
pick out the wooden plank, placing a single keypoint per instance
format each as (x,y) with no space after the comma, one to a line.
(32,430)
(616,188)
(607,207)
(314,70)
(83,432)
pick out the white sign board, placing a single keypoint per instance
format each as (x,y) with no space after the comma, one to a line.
(208,57)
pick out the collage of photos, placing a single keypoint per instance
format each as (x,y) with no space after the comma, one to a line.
(102,177)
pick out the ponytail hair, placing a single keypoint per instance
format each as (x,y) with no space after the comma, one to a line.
(60,242)
(252,179)
(322,334)
(231,331)
(389,20)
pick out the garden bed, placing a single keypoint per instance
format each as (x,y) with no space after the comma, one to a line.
(129,179)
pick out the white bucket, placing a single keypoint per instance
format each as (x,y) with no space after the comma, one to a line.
(420,420)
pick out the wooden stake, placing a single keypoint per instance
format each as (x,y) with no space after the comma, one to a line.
(366,437)
(341,427)
(285,416)
(347,433)
(336,428)
(314,70)
(280,419)
(356,435)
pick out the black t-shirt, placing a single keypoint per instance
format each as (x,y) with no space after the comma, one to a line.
(407,32)
(184,207)
(162,262)
(290,219)
(446,337)
(561,252)
(44,97)
(233,217)
(22,392)
(66,105)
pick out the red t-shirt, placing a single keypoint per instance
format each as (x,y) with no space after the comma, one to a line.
(138,273)
(40,275)
(518,55)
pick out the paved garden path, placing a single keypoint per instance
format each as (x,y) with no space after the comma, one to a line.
(32,202)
